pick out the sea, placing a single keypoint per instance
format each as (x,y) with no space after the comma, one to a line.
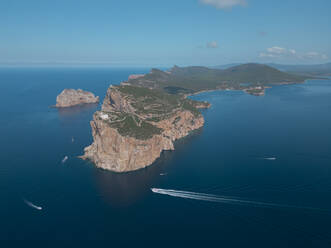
(258,174)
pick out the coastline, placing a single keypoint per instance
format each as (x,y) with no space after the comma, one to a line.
(127,135)
(135,157)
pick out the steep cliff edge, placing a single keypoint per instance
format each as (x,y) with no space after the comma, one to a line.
(136,124)
(71,97)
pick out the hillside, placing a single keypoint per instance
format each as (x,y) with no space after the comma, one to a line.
(315,70)
(310,70)
(136,124)
(259,74)
(188,80)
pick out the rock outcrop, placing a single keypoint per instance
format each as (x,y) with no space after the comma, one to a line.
(71,97)
(135,76)
(135,125)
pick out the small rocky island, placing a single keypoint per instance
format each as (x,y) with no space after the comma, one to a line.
(136,124)
(71,97)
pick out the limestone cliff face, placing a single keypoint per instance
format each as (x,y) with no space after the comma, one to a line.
(71,97)
(180,124)
(114,151)
(116,101)
(135,76)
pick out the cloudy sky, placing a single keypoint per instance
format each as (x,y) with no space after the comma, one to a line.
(164,32)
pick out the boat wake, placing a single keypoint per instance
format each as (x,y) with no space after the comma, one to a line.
(271,158)
(64,159)
(30,204)
(224,199)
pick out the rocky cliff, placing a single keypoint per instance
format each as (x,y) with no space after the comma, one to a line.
(71,97)
(136,124)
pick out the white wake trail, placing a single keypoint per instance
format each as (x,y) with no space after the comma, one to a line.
(64,159)
(271,158)
(30,204)
(223,199)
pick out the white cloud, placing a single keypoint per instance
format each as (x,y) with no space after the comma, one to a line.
(312,54)
(281,52)
(224,4)
(212,44)
(276,52)
(315,55)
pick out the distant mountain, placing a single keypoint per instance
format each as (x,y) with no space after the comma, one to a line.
(317,70)
(197,78)
(226,66)
(258,74)
(310,70)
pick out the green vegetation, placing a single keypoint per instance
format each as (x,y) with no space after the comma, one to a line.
(310,70)
(190,105)
(147,96)
(131,125)
(147,107)
(157,105)
(160,95)
(177,90)
(194,79)
(135,127)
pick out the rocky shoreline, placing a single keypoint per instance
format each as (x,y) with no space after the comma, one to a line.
(145,115)
(115,148)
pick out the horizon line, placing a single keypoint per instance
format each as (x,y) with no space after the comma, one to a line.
(112,64)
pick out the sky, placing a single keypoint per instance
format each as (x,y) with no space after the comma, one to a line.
(164,32)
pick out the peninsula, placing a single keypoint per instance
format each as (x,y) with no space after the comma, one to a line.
(251,78)
(145,115)
(136,124)
(71,97)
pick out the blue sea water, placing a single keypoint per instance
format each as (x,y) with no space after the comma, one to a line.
(84,206)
